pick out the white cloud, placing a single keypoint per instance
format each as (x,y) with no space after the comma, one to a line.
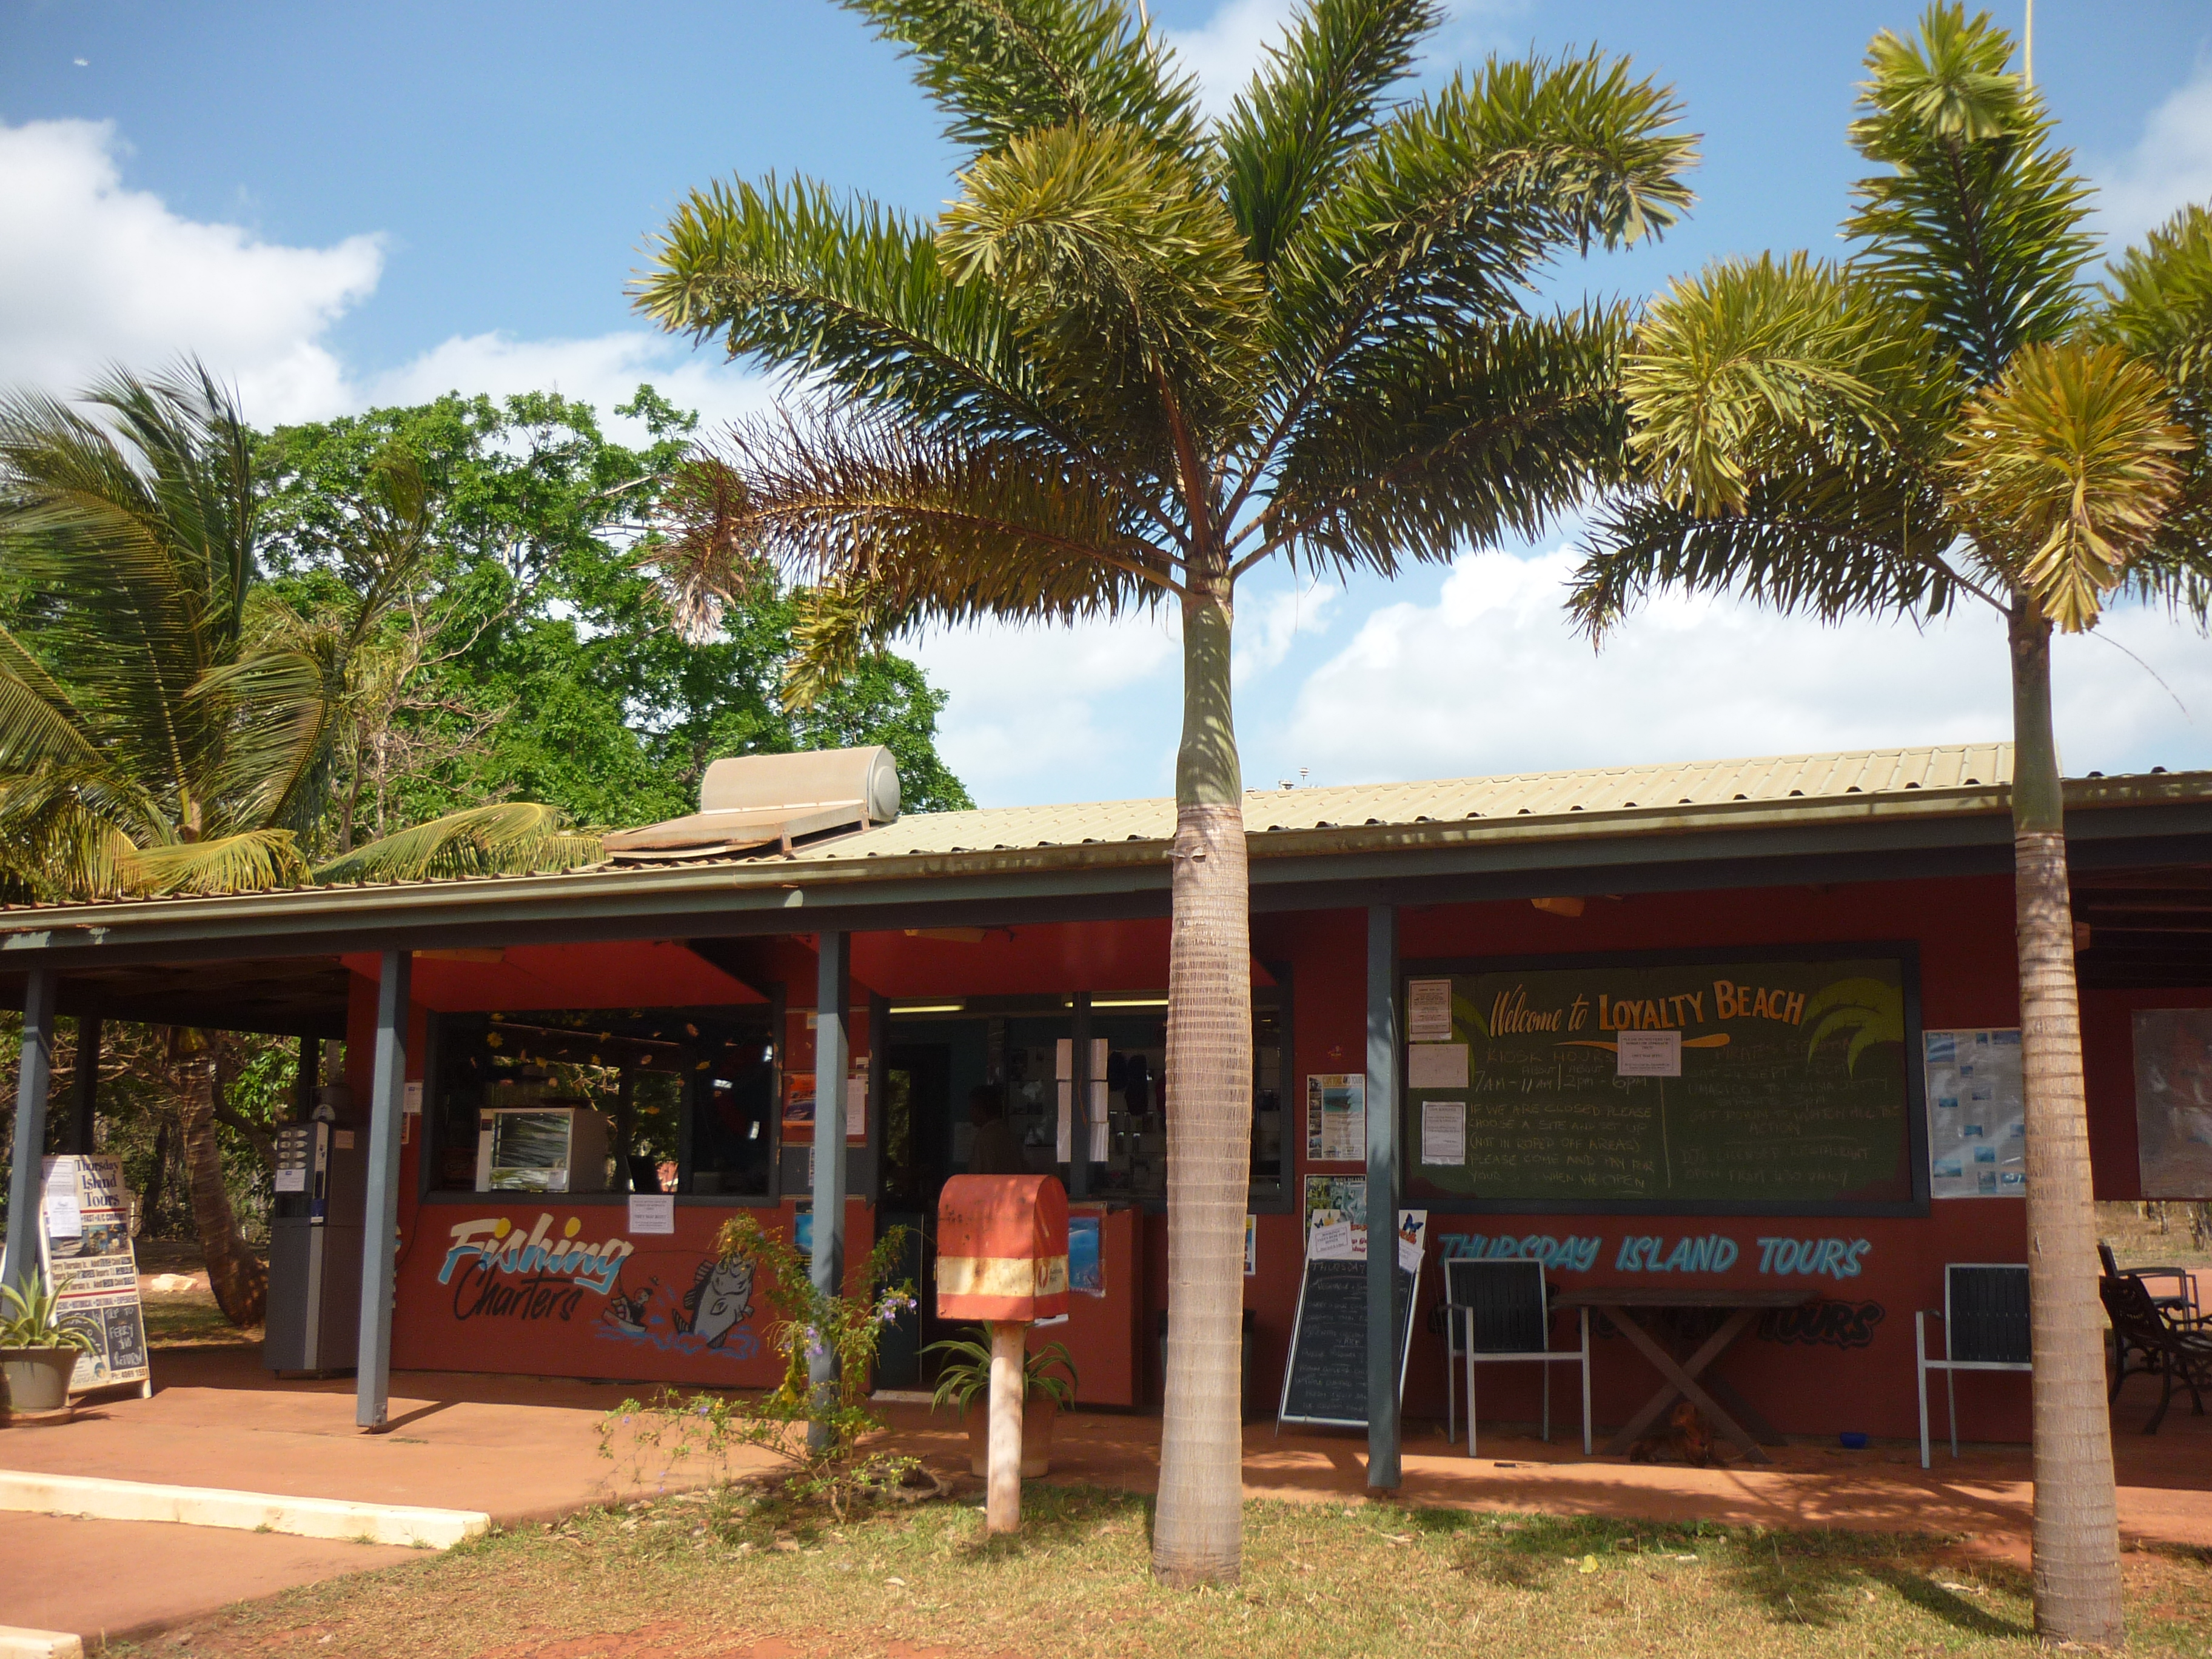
(93,273)
(2170,168)
(1489,679)
(1038,713)
(1269,624)
(1226,50)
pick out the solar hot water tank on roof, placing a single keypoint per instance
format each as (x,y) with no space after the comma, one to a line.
(750,803)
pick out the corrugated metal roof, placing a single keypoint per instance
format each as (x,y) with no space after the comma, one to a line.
(1613,789)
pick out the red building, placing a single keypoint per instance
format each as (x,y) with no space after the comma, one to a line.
(1802,925)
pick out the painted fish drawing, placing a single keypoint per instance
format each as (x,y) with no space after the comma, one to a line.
(720,1299)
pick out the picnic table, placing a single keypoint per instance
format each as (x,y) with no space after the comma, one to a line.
(1728,1411)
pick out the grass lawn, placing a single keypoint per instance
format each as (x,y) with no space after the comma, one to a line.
(710,1574)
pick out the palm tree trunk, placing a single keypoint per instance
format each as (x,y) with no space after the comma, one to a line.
(1198,1533)
(235,1274)
(2076,1534)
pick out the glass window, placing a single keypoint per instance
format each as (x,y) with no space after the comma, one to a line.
(601,1100)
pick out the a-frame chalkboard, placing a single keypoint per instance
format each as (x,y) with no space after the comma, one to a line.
(1326,1381)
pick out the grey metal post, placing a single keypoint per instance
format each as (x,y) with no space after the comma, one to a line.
(1078,1141)
(31,1085)
(306,1077)
(387,1090)
(832,1052)
(1383,1468)
(84,1088)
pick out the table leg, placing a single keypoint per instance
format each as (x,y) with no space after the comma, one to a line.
(1744,1412)
(1682,1381)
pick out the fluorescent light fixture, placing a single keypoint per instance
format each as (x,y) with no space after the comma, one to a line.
(928,1007)
(1129,1002)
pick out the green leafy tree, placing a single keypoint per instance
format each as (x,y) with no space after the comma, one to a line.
(532,658)
(1951,412)
(1139,356)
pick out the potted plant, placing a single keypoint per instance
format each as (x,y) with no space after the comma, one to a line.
(1048,1383)
(38,1352)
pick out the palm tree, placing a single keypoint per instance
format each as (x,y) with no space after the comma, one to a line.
(151,741)
(1953,412)
(1140,355)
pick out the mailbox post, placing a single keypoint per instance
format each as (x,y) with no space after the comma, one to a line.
(1002,1258)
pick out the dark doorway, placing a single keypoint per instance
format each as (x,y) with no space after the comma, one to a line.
(917,1159)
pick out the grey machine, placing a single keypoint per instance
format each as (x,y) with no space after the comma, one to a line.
(315,1239)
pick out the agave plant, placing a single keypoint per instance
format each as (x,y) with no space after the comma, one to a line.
(31,1318)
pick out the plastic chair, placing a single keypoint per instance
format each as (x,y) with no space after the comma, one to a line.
(1498,1313)
(1985,1328)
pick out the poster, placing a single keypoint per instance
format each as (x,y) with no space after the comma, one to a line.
(2173,1102)
(1336,1117)
(1976,1127)
(92,1268)
(1428,1011)
(1336,1216)
(1086,1258)
(1443,1132)
(1251,1246)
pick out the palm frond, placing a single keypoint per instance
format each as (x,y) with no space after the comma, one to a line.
(1831,546)
(1002,68)
(1449,441)
(283,709)
(1980,225)
(2064,469)
(1313,101)
(39,723)
(1442,219)
(1127,273)
(250,862)
(834,629)
(506,838)
(1756,368)
(936,526)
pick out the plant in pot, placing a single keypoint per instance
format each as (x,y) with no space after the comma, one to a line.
(1048,1383)
(37,1352)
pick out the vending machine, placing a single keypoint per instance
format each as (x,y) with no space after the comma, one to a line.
(315,1240)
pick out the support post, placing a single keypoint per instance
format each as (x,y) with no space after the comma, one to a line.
(84,1088)
(1079,1135)
(306,1077)
(1002,1494)
(386,1098)
(832,1051)
(33,1083)
(1383,1466)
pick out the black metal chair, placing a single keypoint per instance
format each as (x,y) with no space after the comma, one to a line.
(2178,1305)
(1984,1316)
(1498,1313)
(2171,1352)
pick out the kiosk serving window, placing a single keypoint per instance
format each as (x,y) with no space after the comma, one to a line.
(1779,1082)
(604,1101)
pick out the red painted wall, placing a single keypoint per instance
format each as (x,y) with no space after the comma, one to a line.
(1848,1365)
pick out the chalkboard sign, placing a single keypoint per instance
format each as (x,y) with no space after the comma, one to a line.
(1326,1381)
(1778,1084)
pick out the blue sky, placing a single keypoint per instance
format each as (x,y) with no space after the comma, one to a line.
(340,205)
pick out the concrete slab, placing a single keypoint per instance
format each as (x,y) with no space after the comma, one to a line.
(17,1642)
(96,1579)
(408,1525)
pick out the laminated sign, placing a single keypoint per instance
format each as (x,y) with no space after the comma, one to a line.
(84,1239)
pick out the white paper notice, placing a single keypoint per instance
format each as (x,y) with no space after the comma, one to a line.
(1436,1065)
(292,1180)
(856,1108)
(63,1219)
(1409,1255)
(1650,1054)
(1330,1241)
(1443,1132)
(653,1212)
(1428,1011)
(1063,1143)
(410,1097)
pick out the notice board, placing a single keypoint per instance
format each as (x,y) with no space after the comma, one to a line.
(1326,1380)
(1784,1083)
(84,1236)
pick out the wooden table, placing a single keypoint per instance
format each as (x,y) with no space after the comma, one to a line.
(1728,1411)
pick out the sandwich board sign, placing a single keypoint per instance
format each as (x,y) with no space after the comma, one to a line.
(84,1240)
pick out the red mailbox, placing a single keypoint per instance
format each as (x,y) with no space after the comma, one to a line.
(1002,1249)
